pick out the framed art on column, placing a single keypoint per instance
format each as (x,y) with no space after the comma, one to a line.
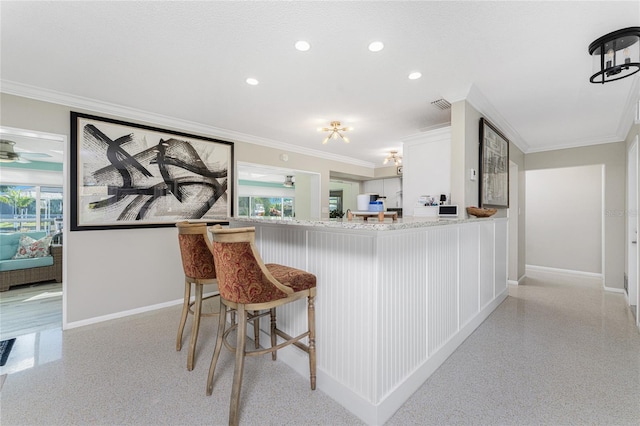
(494,167)
(127,175)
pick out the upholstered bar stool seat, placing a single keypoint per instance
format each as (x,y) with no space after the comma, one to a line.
(294,278)
(248,285)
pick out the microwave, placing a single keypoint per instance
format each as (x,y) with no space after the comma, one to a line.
(447,210)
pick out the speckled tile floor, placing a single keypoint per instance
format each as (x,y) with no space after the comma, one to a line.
(552,353)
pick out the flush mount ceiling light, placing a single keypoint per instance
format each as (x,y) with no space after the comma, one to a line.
(395,157)
(415,75)
(288,182)
(616,55)
(335,130)
(252,81)
(376,46)
(7,154)
(302,45)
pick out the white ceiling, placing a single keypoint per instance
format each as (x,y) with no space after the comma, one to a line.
(523,64)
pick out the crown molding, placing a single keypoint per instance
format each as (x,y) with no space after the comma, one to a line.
(443,133)
(480,102)
(631,109)
(577,144)
(73,101)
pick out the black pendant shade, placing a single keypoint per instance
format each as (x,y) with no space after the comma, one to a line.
(616,55)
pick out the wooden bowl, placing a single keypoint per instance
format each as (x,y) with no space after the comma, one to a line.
(478,212)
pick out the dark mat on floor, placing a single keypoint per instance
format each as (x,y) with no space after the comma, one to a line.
(5,350)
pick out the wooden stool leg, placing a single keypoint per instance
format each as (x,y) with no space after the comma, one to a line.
(311,312)
(222,322)
(256,330)
(237,373)
(185,313)
(274,338)
(196,327)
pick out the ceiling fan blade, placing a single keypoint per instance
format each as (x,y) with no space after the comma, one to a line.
(33,155)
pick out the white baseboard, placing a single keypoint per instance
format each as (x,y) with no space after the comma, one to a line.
(536,268)
(519,282)
(96,320)
(572,273)
(377,414)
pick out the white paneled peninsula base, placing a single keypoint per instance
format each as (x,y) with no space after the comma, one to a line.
(394,299)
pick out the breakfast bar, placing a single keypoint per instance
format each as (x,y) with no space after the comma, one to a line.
(394,298)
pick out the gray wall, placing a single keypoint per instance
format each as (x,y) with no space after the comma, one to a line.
(110,273)
(465,151)
(564,224)
(613,157)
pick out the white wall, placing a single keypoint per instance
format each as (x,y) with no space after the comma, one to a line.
(564,218)
(427,167)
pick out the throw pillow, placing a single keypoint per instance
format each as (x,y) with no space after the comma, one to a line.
(28,247)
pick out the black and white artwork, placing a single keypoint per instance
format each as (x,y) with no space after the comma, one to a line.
(494,167)
(126,175)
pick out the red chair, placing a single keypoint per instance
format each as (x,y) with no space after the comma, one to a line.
(247,284)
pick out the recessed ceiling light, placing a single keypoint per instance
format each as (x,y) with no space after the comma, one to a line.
(252,81)
(415,75)
(376,46)
(302,46)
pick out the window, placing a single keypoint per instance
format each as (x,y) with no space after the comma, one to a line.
(280,207)
(30,208)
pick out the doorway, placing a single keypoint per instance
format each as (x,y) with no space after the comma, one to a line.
(633,261)
(40,171)
(274,191)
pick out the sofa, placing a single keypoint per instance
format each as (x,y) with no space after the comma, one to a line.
(27,270)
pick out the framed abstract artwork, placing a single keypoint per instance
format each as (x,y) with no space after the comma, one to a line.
(494,167)
(126,175)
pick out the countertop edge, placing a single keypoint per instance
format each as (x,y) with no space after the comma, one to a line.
(359,224)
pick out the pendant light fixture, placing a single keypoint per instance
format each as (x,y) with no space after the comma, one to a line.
(395,157)
(616,55)
(335,130)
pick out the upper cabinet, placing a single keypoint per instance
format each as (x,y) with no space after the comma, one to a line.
(388,187)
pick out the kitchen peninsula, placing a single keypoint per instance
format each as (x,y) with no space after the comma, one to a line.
(394,299)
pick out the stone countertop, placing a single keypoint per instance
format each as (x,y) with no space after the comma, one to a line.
(360,224)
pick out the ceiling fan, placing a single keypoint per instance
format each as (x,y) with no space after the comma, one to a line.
(288,182)
(9,155)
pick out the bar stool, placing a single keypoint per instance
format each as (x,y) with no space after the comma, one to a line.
(199,269)
(247,284)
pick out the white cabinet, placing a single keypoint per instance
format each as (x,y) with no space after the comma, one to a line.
(388,187)
(374,186)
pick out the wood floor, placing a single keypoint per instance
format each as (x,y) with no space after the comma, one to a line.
(29,308)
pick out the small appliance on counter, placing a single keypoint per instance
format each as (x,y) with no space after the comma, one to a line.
(448,211)
(363,201)
(376,206)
